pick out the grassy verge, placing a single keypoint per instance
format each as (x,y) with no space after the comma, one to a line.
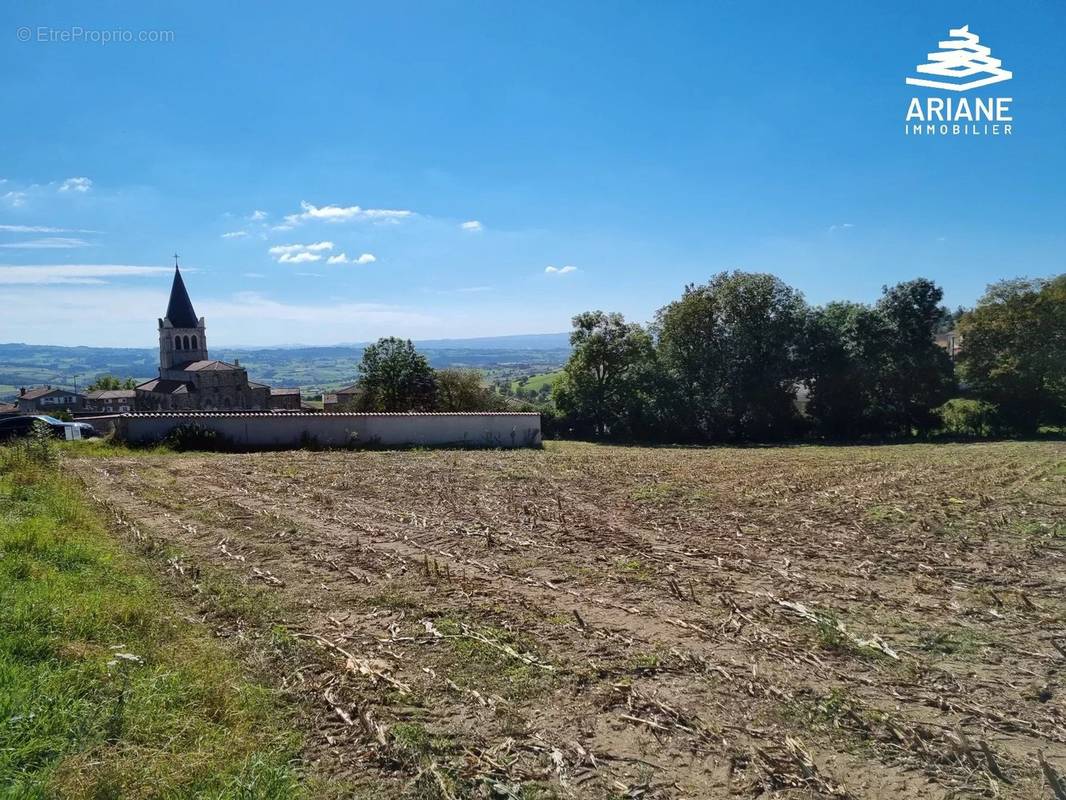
(105,689)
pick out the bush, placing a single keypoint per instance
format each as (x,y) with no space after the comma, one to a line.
(37,451)
(963,417)
(193,436)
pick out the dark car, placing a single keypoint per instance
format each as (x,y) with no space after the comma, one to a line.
(13,427)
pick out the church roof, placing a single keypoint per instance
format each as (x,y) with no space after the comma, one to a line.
(213,365)
(166,386)
(179,310)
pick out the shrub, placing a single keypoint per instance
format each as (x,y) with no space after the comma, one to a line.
(964,417)
(193,436)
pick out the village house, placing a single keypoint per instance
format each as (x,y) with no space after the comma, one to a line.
(950,342)
(48,400)
(110,401)
(285,398)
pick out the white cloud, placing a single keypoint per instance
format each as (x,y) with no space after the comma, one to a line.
(299,258)
(560,270)
(234,234)
(472,225)
(299,253)
(76,185)
(48,243)
(41,229)
(73,273)
(841,227)
(15,199)
(297,248)
(252,275)
(257,216)
(341,214)
(342,258)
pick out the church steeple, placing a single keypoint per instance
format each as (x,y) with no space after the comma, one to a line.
(182,335)
(179,310)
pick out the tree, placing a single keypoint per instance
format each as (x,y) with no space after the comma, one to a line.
(730,347)
(877,370)
(1014,351)
(393,376)
(463,390)
(913,375)
(603,388)
(836,365)
(110,382)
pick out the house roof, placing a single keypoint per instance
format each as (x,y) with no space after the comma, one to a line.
(179,310)
(349,389)
(275,390)
(111,394)
(166,386)
(7,408)
(41,391)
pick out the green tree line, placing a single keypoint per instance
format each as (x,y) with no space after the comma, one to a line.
(745,358)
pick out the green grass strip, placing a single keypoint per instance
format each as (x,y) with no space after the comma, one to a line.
(106,691)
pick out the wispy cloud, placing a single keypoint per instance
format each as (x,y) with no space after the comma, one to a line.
(81,185)
(843,226)
(14,199)
(332,214)
(252,275)
(41,229)
(74,273)
(560,270)
(299,253)
(257,216)
(48,243)
(342,258)
(234,234)
(472,225)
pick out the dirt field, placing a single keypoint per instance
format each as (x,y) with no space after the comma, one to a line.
(591,621)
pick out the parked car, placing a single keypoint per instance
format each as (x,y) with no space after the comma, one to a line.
(13,427)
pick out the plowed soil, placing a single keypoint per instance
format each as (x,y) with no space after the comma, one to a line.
(594,621)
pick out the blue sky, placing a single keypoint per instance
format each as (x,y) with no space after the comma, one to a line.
(645,145)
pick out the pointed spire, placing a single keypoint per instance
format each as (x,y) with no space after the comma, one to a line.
(179,310)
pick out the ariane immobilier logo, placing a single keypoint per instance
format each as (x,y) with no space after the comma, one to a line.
(961,64)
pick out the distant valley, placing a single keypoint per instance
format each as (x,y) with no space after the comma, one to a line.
(314,369)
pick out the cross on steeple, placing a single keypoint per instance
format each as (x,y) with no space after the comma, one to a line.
(175,261)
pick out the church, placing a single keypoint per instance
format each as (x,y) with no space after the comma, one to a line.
(190,380)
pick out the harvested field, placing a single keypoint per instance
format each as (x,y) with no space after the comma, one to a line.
(593,621)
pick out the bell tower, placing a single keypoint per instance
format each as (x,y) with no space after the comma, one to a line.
(182,335)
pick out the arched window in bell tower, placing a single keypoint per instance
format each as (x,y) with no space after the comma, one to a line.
(186,342)
(194,344)
(177,342)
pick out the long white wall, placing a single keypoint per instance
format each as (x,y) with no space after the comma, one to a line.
(268,430)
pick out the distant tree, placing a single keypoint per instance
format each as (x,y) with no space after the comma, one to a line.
(110,382)
(603,389)
(949,319)
(1014,351)
(913,375)
(463,390)
(730,347)
(393,376)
